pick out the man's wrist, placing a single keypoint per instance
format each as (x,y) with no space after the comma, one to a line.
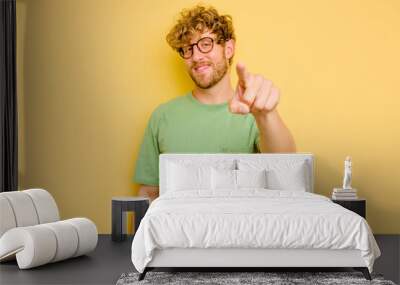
(263,118)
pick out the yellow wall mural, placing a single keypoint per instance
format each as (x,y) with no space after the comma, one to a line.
(91,72)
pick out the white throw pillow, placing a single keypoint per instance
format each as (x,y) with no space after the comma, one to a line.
(251,178)
(188,177)
(237,179)
(281,175)
(288,179)
(223,179)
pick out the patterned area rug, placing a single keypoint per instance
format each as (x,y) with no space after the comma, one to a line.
(269,278)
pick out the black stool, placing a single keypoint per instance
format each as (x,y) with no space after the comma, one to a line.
(121,205)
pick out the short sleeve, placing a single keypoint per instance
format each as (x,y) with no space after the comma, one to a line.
(146,171)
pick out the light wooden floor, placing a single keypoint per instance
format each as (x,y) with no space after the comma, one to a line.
(111,259)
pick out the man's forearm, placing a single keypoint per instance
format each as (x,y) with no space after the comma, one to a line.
(274,135)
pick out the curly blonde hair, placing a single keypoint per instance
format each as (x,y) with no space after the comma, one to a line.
(199,19)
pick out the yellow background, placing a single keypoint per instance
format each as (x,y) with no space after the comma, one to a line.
(90,72)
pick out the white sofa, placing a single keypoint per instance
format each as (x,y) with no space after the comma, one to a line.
(31,231)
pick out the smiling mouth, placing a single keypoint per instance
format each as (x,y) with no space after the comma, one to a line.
(201,69)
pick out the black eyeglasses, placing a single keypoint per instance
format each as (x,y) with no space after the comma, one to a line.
(205,45)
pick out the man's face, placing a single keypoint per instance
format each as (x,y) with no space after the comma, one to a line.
(207,69)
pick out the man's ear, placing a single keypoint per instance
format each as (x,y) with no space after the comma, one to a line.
(229,49)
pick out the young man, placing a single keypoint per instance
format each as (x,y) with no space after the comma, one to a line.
(214,117)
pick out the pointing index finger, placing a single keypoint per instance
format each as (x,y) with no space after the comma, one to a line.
(241,72)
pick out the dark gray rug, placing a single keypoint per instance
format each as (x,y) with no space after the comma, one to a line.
(269,278)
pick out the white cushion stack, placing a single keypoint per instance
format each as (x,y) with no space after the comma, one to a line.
(232,175)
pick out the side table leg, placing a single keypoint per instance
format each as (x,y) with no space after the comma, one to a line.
(116,227)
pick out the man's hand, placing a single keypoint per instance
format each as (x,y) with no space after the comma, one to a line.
(254,94)
(151,192)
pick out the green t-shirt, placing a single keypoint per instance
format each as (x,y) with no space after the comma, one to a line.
(185,125)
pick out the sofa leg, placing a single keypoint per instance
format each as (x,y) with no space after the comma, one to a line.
(143,274)
(364,271)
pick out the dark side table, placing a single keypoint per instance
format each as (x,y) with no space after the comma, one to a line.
(121,205)
(356,205)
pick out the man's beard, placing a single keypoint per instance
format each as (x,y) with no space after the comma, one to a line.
(218,71)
